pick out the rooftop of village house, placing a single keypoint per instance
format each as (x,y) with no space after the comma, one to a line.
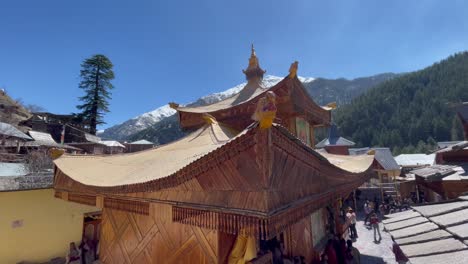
(432,233)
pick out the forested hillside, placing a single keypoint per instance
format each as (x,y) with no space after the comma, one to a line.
(411,112)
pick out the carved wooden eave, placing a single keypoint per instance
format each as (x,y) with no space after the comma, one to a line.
(260,182)
(292,100)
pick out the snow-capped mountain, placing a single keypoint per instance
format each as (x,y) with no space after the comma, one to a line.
(138,123)
(141,122)
(161,125)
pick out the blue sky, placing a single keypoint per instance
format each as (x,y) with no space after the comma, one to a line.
(180,50)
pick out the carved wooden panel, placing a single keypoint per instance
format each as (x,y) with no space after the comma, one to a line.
(129,238)
(300,240)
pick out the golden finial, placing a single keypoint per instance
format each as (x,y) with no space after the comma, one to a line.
(253,71)
(173,105)
(293,69)
(371,152)
(253,61)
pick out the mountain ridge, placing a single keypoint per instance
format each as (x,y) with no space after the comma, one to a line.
(326,90)
(411,112)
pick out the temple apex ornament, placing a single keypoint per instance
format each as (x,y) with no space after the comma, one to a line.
(293,69)
(253,71)
(266,110)
(253,61)
(173,105)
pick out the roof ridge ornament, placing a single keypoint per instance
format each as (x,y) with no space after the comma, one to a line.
(266,109)
(253,71)
(209,119)
(173,105)
(293,69)
(331,105)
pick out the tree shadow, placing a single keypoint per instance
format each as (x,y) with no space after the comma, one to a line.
(366,259)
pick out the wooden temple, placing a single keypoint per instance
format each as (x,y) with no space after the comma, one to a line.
(246,175)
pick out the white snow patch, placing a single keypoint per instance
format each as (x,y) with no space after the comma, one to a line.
(148,119)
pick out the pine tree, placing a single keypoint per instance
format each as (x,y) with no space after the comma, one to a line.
(96,74)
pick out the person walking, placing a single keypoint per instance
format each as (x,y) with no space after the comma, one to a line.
(367,211)
(374,220)
(351,217)
(400,257)
(354,252)
(330,253)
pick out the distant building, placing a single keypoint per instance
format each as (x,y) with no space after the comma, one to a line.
(447,178)
(385,165)
(138,145)
(69,129)
(90,144)
(334,143)
(446,144)
(11,138)
(415,160)
(35,226)
(432,233)
(113,147)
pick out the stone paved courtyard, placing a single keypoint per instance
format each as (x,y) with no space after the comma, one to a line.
(371,252)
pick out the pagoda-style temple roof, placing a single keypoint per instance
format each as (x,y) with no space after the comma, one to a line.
(292,100)
(145,166)
(267,176)
(240,171)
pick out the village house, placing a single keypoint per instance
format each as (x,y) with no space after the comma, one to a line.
(113,147)
(385,167)
(436,232)
(35,226)
(69,130)
(334,143)
(11,138)
(138,145)
(447,178)
(233,188)
(432,233)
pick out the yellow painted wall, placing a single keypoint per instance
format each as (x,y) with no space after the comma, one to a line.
(49,225)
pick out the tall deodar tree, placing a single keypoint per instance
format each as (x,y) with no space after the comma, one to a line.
(96,75)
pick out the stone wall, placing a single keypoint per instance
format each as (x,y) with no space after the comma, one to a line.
(28,182)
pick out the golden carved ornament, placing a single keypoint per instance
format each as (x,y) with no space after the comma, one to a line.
(331,105)
(265,112)
(209,119)
(293,69)
(173,105)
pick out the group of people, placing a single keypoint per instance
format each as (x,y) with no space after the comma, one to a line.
(339,251)
(86,253)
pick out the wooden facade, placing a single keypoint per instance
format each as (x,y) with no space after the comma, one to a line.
(154,238)
(245,180)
